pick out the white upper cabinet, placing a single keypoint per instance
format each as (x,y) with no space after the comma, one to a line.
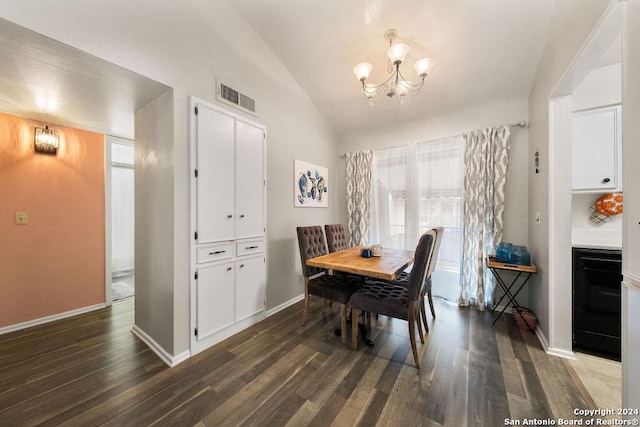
(250,183)
(596,150)
(215,167)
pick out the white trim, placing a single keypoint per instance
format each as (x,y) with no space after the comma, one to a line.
(108,244)
(285,304)
(51,318)
(168,359)
(558,352)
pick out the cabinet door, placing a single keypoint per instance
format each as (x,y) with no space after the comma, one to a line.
(250,186)
(250,286)
(595,150)
(215,158)
(215,298)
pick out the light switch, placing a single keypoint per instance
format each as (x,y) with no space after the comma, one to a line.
(21,218)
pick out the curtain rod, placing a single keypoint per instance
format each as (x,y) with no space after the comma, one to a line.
(520,124)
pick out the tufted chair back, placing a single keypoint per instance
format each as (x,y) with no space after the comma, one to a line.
(336,237)
(311,244)
(421,264)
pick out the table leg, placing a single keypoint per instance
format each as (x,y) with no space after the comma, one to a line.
(509,295)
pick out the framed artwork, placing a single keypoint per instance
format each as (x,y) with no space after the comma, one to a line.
(310,186)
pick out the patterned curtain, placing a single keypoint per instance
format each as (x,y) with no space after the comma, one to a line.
(358,196)
(486,157)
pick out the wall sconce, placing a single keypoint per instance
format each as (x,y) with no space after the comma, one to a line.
(46,141)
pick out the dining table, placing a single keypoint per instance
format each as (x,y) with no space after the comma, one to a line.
(385,266)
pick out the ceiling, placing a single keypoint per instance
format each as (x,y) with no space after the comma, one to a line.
(52,82)
(486,52)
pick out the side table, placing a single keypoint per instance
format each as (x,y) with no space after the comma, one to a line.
(524,271)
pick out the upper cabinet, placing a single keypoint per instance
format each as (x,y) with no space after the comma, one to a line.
(230,185)
(597,150)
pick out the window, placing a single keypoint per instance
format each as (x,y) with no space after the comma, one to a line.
(417,187)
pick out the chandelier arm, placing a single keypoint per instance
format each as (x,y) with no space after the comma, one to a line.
(417,86)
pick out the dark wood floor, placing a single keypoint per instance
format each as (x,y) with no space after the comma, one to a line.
(91,370)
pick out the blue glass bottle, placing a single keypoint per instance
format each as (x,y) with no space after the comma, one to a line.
(503,252)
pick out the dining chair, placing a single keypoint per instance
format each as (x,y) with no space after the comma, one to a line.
(336,237)
(403,278)
(316,280)
(400,302)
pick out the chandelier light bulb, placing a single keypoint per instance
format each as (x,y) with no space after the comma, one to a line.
(397,52)
(402,89)
(369,90)
(423,66)
(362,71)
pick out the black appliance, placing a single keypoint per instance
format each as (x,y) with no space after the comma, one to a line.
(597,278)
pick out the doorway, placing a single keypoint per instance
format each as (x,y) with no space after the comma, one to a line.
(122,218)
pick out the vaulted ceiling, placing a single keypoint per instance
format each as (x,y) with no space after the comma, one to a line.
(486,52)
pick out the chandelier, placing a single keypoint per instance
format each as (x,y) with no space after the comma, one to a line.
(396,89)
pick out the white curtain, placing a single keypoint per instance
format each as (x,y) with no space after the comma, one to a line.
(358,196)
(122,209)
(414,188)
(486,158)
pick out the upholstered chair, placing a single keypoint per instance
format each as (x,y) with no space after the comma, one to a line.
(403,278)
(317,282)
(400,302)
(337,239)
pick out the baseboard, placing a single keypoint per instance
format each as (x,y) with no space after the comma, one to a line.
(48,319)
(168,359)
(284,305)
(558,352)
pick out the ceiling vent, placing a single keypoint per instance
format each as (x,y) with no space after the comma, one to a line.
(236,99)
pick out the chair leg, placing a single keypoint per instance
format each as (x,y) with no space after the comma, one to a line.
(343,323)
(433,312)
(412,332)
(423,314)
(419,323)
(305,310)
(354,328)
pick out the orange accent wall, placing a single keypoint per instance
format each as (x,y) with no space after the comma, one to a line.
(55,263)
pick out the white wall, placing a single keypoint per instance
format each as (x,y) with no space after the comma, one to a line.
(572,22)
(186,45)
(515,214)
(154,218)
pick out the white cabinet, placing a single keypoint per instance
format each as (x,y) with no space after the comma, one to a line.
(249,180)
(215,169)
(596,150)
(216,287)
(250,286)
(228,253)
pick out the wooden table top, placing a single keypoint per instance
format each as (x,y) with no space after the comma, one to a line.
(385,267)
(492,263)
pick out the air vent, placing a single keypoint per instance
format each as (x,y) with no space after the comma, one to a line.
(235,99)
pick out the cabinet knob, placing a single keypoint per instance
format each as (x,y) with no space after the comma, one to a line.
(229,216)
(229,268)
(242,216)
(606,180)
(241,265)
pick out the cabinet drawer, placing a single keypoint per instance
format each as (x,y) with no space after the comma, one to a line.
(247,247)
(214,252)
